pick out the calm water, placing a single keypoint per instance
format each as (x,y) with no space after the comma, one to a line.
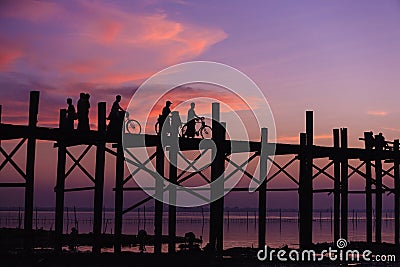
(240,228)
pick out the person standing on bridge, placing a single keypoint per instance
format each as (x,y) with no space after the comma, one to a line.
(71,115)
(116,113)
(162,119)
(116,116)
(191,122)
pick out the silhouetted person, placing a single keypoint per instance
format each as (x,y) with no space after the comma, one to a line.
(83,112)
(71,115)
(163,117)
(191,121)
(369,139)
(116,108)
(380,141)
(116,116)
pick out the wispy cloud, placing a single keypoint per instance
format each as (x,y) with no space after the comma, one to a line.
(83,41)
(63,48)
(391,129)
(377,112)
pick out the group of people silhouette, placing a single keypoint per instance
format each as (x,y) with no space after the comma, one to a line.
(117,115)
(378,141)
(176,121)
(82,113)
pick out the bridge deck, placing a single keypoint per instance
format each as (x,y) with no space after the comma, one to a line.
(75,137)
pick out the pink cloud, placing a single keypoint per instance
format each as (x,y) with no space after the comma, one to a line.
(34,11)
(377,113)
(7,56)
(98,42)
(109,31)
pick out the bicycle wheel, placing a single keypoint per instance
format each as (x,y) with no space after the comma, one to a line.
(206,132)
(182,132)
(133,127)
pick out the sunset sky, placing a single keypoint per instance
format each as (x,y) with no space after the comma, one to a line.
(338,58)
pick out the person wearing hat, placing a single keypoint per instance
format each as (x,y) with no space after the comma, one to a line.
(163,117)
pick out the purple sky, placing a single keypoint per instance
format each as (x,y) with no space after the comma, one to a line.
(338,58)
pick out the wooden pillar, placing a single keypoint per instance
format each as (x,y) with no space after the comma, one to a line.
(60,184)
(30,168)
(173,176)
(344,183)
(396,174)
(368,139)
(262,193)
(303,203)
(118,203)
(305,187)
(99,178)
(158,205)
(217,173)
(309,174)
(336,192)
(378,187)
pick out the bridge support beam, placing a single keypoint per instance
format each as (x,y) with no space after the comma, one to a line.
(306,187)
(396,174)
(344,184)
(118,203)
(217,176)
(60,187)
(173,176)
(99,178)
(30,169)
(336,184)
(368,139)
(158,205)
(262,193)
(378,186)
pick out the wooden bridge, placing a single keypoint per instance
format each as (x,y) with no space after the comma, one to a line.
(374,156)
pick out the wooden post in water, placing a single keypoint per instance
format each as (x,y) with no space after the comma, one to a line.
(336,184)
(262,193)
(60,185)
(345,184)
(30,169)
(378,186)
(159,183)
(118,204)
(217,176)
(99,178)
(305,187)
(173,176)
(396,174)
(368,139)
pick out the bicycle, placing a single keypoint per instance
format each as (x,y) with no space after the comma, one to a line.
(205,131)
(132,126)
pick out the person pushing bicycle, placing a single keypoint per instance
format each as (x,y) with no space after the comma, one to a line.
(191,121)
